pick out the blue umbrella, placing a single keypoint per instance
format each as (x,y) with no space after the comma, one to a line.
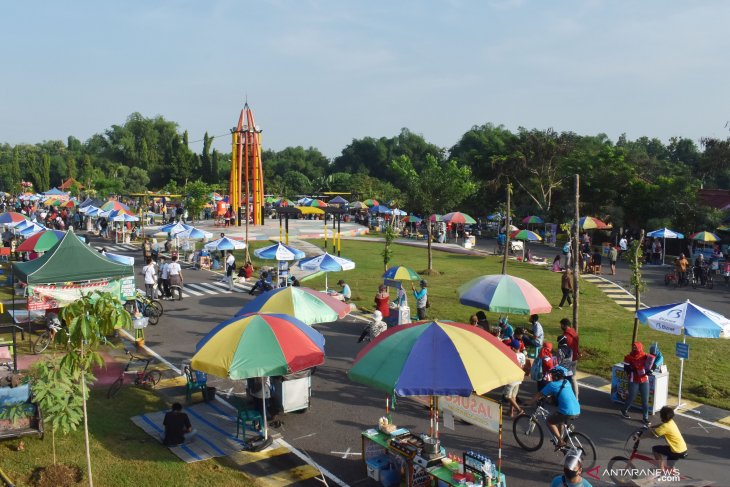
(225,243)
(664,233)
(326,263)
(279,251)
(685,319)
(174,228)
(381,209)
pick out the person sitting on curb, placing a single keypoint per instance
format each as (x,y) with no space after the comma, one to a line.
(178,429)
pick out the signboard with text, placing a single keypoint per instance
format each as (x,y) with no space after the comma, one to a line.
(475,409)
(681,350)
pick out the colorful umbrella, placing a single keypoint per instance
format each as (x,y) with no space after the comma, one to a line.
(279,251)
(70,204)
(271,199)
(436,358)
(525,235)
(458,217)
(284,202)
(704,237)
(310,210)
(664,233)
(317,204)
(435,218)
(114,205)
(399,212)
(371,202)
(412,219)
(359,205)
(41,241)
(259,345)
(685,319)
(11,217)
(501,293)
(381,210)
(532,219)
(588,223)
(305,304)
(225,243)
(401,273)
(327,263)
(512,228)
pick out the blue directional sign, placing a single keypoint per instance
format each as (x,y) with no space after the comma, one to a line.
(681,350)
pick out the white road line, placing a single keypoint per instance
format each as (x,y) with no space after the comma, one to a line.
(222,286)
(191,291)
(199,287)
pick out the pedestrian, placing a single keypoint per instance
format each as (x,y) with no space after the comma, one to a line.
(566,360)
(676,448)
(174,272)
(566,286)
(421,299)
(230,267)
(513,388)
(635,365)
(150,278)
(163,279)
(572,340)
(536,336)
(572,470)
(623,244)
(382,302)
(146,249)
(612,258)
(178,429)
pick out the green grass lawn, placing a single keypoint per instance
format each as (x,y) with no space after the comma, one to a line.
(122,454)
(605,328)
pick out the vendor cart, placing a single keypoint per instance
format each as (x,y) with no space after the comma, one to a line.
(292,392)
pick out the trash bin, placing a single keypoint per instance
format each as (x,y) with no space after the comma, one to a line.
(209,394)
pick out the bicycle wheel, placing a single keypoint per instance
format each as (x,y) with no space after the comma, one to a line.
(151,378)
(620,471)
(152,314)
(42,343)
(157,304)
(586,447)
(114,388)
(528,433)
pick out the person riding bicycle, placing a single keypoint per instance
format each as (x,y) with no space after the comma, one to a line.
(568,406)
(676,448)
(572,470)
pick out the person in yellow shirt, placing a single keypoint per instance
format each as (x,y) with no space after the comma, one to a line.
(676,448)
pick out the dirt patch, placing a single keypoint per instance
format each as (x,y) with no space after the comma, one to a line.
(56,476)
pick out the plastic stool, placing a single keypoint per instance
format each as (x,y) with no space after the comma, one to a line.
(248,419)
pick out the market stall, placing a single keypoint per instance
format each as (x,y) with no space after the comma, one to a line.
(448,363)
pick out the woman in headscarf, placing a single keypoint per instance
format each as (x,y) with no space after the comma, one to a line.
(382,302)
(374,328)
(548,362)
(635,365)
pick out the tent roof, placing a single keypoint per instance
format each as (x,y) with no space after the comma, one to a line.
(70,260)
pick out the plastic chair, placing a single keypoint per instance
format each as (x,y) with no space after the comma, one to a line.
(248,419)
(197,383)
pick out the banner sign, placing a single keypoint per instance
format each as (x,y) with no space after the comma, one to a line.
(50,296)
(475,409)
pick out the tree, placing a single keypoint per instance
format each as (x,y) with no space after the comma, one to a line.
(71,167)
(205,160)
(89,320)
(438,187)
(296,183)
(197,195)
(388,250)
(87,171)
(215,167)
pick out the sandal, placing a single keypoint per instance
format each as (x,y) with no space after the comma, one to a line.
(560,446)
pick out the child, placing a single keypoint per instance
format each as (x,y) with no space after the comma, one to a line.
(675,448)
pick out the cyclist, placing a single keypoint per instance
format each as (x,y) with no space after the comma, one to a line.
(676,448)
(568,405)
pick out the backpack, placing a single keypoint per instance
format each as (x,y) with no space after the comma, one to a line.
(566,248)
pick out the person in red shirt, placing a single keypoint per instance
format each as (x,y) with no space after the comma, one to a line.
(382,302)
(638,380)
(571,338)
(548,362)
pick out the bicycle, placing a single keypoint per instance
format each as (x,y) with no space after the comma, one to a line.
(144,378)
(624,471)
(53,325)
(530,436)
(150,308)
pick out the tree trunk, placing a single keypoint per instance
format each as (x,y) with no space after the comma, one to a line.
(505,251)
(637,287)
(86,422)
(576,277)
(53,443)
(428,245)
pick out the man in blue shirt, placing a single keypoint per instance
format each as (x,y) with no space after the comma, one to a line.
(568,405)
(537,335)
(421,299)
(345,292)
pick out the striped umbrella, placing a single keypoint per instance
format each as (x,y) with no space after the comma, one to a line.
(327,263)
(528,235)
(704,236)
(359,205)
(458,217)
(532,219)
(12,216)
(317,204)
(284,202)
(412,219)
(259,345)
(114,205)
(279,251)
(41,241)
(401,273)
(501,293)
(435,218)
(371,202)
(225,243)
(305,304)
(589,223)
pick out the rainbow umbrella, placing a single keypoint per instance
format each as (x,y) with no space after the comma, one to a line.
(525,235)
(704,236)
(284,202)
(435,218)
(532,219)
(317,204)
(359,205)
(371,202)
(41,241)
(70,204)
(436,359)
(589,223)
(114,205)
(259,345)
(305,304)
(501,293)
(412,219)
(458,217)
(401,273)
(12,217)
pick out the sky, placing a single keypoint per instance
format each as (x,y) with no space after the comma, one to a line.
(322,73)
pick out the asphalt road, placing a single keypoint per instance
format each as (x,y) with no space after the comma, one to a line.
(340,409)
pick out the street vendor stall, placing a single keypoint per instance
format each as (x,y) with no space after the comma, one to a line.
(447,362)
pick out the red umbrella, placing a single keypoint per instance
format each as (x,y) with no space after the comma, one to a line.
(41,241)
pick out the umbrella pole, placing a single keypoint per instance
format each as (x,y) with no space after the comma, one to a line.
(263,406)
(681,374)
(436,418)
(664,249)
(326,286)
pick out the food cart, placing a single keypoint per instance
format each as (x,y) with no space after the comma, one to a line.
(658,388)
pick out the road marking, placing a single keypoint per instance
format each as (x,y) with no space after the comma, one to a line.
(305,436)
(221,286)
(347,453)
(199,287)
